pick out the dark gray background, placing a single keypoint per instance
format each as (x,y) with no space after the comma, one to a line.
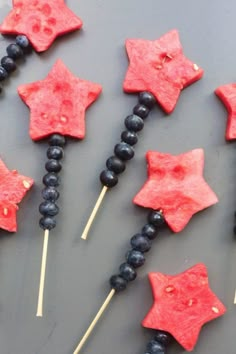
(78,271)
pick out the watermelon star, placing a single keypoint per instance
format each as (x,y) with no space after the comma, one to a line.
(13,188)
(58,103)
(183,304)
(161,68)
(227,94)
(41,21)
(176,186)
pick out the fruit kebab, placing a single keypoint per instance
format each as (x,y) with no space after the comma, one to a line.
(181,302)
(175,191)
(227,94)
(158,71)
(36,24)
(57,105)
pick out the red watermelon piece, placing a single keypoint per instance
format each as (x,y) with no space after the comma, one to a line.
(176,186)
(183,304)
(58,103)
(227,94)
(13,188)
(41,21)
(161,68)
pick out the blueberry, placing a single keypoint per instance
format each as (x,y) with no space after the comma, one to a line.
(163,337)
(47,223)
(23,42)
(14,51)
(124,151)
(55,152)
(51,179)
(156,218)
(3,73)
(147,99)
(140,243)
(129,137)
(118,283)
(127,272)
(135,258)
(50,193)
(57,140)
(48,208)
(155,347)
(150,231)
(141,111)
(8,64)
(134,123)
(115,164)
(108,178)
(53,166)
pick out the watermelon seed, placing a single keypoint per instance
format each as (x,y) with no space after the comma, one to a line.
(5,211)
(169,289)
(195,67)
(215,309)
(26,184)
(63,119)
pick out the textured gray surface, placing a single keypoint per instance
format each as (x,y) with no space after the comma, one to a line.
(77,272)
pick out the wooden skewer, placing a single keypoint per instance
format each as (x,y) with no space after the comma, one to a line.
(42,276)
(94,213)
(94,322)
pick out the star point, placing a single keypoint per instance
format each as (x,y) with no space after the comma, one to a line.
(161,68)
(227,94)
(183,304)
(58,103)
(41,21)
(176,186)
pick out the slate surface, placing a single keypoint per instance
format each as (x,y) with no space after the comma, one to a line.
(77,272)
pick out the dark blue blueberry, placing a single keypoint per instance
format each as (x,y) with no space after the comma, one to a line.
(47,223)
(140,243)
(55,152)
(150,231)
(141,111)
(53,166)
(3,73)
(8,64)
(23,42)
(115,164)
(57,140)
(14,51)
(118,283)
(155,347)
(108,178)
(129,137)
(134,123)
(147,99)
(127,272)
(124,151)
(50,193)
(135,258)
(156,218)
(163,337)
(48,208)
(51,179)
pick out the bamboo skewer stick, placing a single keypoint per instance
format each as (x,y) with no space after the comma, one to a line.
(94,322)
(94,213)
(42,276)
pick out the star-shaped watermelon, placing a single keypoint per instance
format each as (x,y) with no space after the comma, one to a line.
(227,94)
(58,103)
(161,68)
(183,304)
(41,21)
(13,188)
(176,186)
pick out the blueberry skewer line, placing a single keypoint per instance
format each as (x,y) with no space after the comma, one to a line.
(123,151)
(14,51)
(49,208)
(140,243)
